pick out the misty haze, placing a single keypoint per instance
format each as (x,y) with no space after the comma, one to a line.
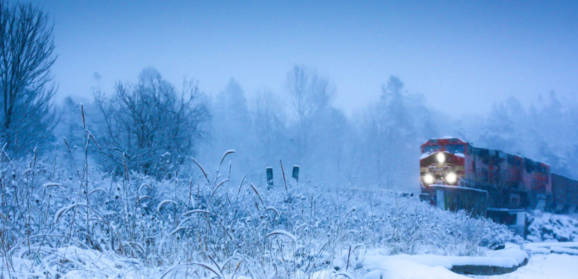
(265,140)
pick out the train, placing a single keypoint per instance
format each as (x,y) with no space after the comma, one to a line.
(456,175)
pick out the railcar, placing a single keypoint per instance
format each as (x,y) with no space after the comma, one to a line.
(456,175)
(564,194)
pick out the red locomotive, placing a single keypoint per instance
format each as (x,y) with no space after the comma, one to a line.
(456,175)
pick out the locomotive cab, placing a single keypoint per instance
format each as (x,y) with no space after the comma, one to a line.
(455,175)
(443,162)
(443,177)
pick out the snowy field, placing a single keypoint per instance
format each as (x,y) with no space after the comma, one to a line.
(374,264)
(138,227)
(541,264)
(558,266)
(216,227)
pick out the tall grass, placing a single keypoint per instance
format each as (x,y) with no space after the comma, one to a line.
(201,224)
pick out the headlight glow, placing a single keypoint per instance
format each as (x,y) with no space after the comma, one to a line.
(428,178)
(441,157)
(451,177)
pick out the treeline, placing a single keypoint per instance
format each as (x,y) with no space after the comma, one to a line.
(544,131)
(151,127)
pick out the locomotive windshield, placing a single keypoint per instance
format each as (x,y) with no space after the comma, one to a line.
(451,148)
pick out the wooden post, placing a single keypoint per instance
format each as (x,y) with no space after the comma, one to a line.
(295,173)
(269,172)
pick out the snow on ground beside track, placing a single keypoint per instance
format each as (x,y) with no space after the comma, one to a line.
(375,264)
(570,248)
(397,267)
(378,264)
(74,262)
(405,268)
(546,226)
(509,257)
(542,266)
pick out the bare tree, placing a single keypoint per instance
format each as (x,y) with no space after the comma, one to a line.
(26,56)
(148,127)
(311,95)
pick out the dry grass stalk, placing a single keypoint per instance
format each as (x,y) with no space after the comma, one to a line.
(202,170)
(284,178)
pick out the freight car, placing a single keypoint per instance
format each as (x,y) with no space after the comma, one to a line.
(564,193)
(456,175)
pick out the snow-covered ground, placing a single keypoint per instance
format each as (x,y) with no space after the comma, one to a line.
(74,262)
(543,263)
(544,260)
(144,228)
(552,227)
(569,248)
(559,266)
(374,264)
(377,263)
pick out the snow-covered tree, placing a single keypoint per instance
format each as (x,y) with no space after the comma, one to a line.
(318,129)
(148,126)
(26,56)
(310,95)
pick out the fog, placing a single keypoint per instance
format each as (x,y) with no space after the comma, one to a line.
(347,92)
(378,146)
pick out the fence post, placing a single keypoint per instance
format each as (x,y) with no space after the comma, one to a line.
(295,173)
(269,172)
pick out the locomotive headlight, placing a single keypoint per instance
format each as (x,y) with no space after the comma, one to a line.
(441,157)
(451,177)
(428,178)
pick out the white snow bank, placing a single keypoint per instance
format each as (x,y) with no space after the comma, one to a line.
(510,256)
(74,262)
(377,264)
(392,267)
(544,266)
(404,267)
(570,248)
(546,226)
(77,263)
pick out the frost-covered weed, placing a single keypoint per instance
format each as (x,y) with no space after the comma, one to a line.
(207,225)
(548,227)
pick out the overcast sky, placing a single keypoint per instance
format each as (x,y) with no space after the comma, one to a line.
(461,55)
